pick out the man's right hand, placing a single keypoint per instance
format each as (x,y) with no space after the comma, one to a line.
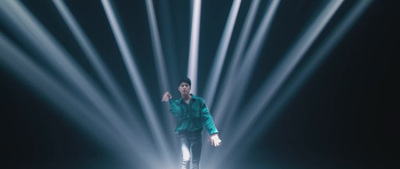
(166,97)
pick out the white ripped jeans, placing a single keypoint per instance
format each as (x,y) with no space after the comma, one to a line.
(190,142)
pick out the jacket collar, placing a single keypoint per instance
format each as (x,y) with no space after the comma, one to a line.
(193,98)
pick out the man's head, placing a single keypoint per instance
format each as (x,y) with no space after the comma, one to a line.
(185,86)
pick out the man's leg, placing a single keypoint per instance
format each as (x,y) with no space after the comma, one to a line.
(196,151)
(185,144)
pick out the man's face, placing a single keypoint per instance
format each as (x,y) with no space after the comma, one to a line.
(184,88)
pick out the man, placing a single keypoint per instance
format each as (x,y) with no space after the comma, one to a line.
(192,114)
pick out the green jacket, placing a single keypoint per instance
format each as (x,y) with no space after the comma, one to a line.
(192,117)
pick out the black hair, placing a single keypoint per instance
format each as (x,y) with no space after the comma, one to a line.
(186,80)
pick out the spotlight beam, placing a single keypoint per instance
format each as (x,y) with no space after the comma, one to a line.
(234,63)
(225,108)
(157,47)
(216,69)
(94,58)
(169,43)
(137,82)
(283,70)
(194,45)
(25,70)
(159,59)
(302,44)
(257,103)
(69,104)
(169,51)
(310,67)
(31,32)
(239,49)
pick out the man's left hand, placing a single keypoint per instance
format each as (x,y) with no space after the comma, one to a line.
(215,141)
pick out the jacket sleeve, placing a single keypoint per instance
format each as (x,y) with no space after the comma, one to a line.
(207,120)
(174,108)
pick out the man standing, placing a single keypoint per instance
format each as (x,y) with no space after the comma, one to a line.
(192,114)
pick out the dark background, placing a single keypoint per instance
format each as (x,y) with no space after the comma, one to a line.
(345,116)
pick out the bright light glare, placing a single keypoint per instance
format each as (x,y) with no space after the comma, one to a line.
(136,79)
(311,66)
(234,90)
(194,45)
(238,50)
(157,48)
(35,36)
(82,101)
(216,69)
(67,101)
(160,64)
(94,58)
(278,76)
(226,106)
